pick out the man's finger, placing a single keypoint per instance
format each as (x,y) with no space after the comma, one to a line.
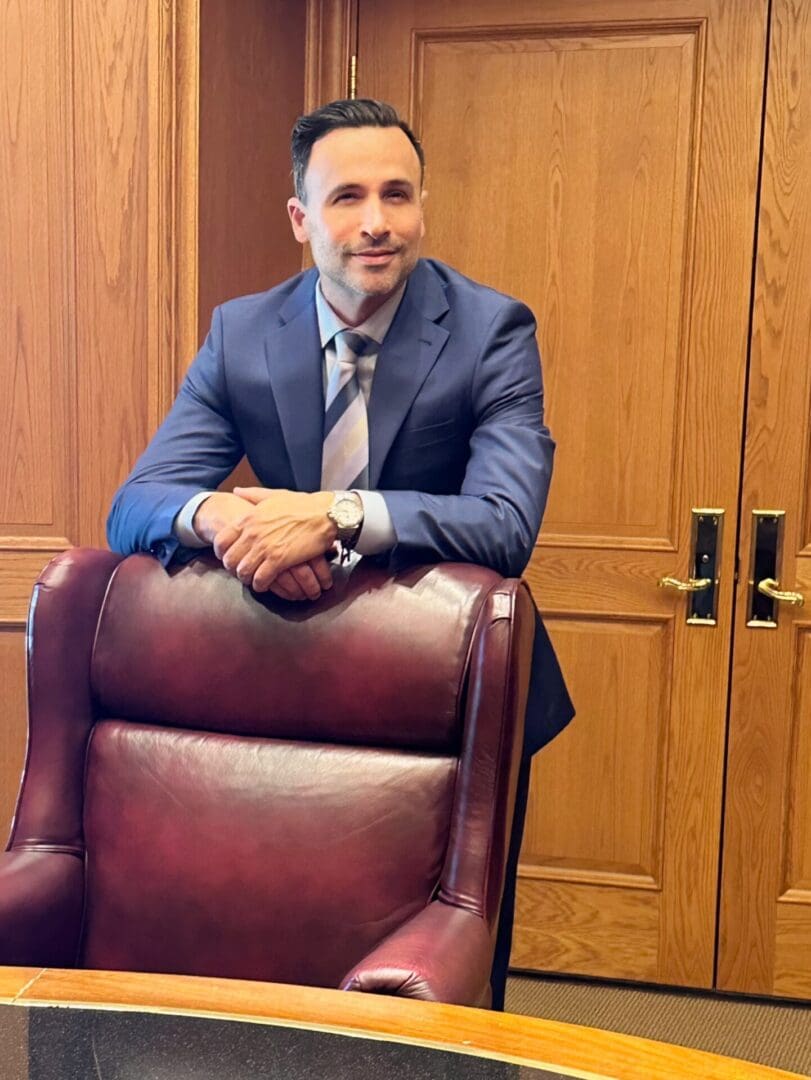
(247,567)
(267,579)
(284,586)
(240,549)
(224,539)
(234,554)
(320,567)
(306,580)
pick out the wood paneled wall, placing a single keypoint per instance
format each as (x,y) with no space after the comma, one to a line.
(79,291)
(251,91)
(143,160)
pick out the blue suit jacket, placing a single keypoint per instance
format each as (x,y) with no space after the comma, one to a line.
(457,445)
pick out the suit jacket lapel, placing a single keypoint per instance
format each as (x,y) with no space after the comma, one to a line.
(410,350)
(293,355)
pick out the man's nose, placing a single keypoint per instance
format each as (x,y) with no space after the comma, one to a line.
(374,222)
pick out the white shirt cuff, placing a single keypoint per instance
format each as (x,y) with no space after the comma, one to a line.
(377,532)
(182,526)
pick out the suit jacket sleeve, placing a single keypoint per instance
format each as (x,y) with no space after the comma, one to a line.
(495,517)
(194,449)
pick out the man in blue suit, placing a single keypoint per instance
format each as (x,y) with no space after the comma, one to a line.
(385,402)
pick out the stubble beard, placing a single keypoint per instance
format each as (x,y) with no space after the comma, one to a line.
(376,283)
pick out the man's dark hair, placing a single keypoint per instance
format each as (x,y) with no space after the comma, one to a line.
(346,113)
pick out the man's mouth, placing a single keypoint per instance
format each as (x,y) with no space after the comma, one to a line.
(375,256)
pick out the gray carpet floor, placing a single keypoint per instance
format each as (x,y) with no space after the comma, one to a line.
(767,1032)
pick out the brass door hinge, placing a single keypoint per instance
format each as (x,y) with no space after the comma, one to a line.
(352,83)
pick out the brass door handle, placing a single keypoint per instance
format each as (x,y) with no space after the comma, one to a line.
(771,588)
(703,569)
(691,585)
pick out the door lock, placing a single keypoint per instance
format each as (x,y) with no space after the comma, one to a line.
(765,594)
(704,580)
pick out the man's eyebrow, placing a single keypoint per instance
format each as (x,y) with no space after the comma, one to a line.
(344,187)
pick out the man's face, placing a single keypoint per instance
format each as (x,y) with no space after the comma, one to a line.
(362,215)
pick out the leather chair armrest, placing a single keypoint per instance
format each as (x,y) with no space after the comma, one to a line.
(41,899)
(443,953)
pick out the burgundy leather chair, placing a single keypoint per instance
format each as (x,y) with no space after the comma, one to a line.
(224,784)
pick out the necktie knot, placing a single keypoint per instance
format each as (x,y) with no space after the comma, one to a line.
(350,345)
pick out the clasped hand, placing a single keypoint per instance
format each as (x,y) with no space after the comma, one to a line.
(272,539)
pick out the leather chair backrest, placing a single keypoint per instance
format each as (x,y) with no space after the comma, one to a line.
(383,662)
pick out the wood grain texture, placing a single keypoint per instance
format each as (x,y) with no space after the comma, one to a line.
(792,949)
(331,39)
(601,253)
(251,91)
(112,127)
(37,365)
(185,138)
(18,572)
(170,22)
(587,929)
(13,980)
(796,863)
(473,1031)
(615,821)
(13,730)
(38,506)
(765,940)
(251,88)
(599,161)
(88,251)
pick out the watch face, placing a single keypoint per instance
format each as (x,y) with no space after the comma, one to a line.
(347,514)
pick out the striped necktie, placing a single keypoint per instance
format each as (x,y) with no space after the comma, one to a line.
(345,460)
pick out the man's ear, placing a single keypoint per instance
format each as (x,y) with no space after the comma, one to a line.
(298,219)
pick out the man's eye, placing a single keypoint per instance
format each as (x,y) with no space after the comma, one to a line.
(346,196)
(398,196)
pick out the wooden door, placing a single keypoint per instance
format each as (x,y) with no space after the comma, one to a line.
(599,160)
(765,920)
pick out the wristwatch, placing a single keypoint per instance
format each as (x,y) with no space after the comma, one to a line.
(346,513)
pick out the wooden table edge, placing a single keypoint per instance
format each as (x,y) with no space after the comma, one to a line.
(578,1051)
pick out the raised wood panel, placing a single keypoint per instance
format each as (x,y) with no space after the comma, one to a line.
(606,824)
(797,804)
(114,98)
(606,124)
(36,268)
(12,732)
(587,930)
(792,951)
